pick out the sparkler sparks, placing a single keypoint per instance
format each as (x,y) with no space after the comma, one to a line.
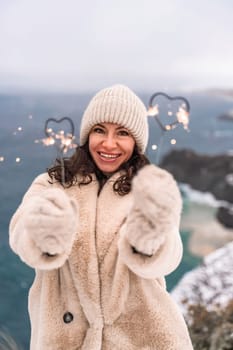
(174,118)
(182,115)
(19,129)
(66,140)
(63,141)
(153,111)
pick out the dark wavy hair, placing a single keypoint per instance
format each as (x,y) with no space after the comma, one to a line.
(81,163)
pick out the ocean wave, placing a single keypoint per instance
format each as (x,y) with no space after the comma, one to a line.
(206,198)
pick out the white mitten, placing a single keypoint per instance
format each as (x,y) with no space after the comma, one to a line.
(156,209)
(52,221)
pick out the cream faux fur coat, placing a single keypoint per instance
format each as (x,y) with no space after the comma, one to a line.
(99,294)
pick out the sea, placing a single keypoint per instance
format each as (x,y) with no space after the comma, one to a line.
(23,156)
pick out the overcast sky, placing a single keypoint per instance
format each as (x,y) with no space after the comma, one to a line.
(75,45)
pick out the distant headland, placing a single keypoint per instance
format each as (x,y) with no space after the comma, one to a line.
(205,173)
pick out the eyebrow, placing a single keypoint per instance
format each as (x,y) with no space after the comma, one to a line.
(102,126)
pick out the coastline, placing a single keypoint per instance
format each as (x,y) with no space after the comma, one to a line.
(207,234)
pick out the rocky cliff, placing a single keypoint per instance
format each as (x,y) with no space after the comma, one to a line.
(205,173)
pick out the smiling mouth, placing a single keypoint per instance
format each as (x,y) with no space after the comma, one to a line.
(108,156)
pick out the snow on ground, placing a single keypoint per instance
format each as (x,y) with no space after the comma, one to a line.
(210,284)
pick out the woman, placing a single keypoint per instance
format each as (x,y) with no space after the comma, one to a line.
(102,244)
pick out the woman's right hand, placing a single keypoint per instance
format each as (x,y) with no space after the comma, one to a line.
(52,220)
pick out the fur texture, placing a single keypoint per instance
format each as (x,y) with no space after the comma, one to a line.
(52,221)
(117,298)
(157,207)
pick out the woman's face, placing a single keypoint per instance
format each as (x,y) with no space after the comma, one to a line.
(110,146)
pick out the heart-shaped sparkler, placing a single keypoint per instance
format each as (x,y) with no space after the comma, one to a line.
(63,141)
(173,118)
(181,115)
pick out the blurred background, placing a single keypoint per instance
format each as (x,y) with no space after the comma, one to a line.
(54,55)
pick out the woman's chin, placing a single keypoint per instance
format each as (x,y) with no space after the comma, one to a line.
(108,169)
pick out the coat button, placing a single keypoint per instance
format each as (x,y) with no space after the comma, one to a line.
(68,317)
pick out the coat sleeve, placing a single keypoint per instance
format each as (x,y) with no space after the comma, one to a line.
(152,226)
(160,264)
(21,239)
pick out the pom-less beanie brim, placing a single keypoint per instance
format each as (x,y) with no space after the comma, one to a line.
(119,105)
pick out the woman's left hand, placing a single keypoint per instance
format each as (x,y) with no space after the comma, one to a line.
(156,209)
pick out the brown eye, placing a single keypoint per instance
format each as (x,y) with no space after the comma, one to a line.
(123,133)
(98,130)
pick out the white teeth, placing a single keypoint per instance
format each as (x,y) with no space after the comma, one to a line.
(108,155)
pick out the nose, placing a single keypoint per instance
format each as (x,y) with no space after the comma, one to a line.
(109,142)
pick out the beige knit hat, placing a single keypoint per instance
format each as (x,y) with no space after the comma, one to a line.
(119,105)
